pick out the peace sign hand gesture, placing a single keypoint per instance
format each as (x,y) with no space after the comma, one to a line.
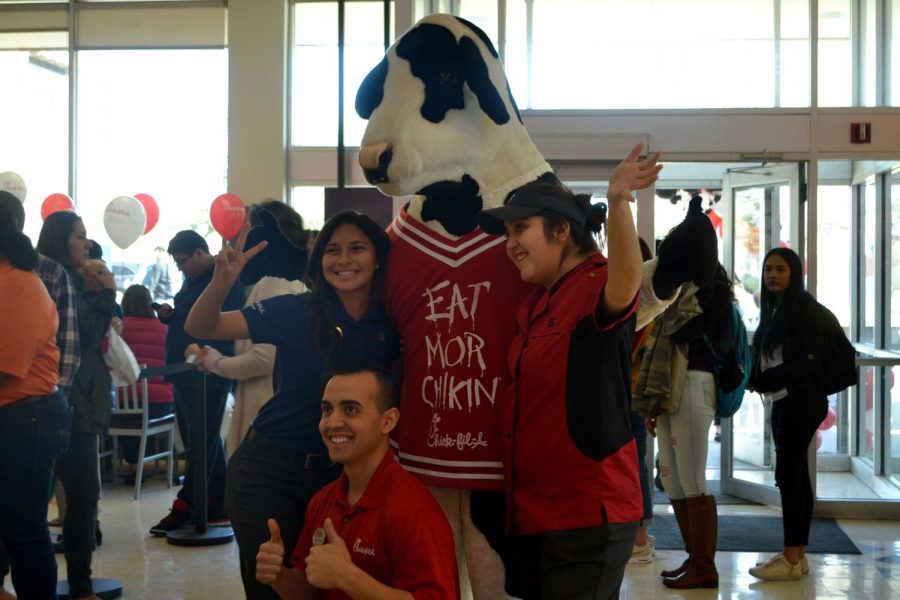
(232,258)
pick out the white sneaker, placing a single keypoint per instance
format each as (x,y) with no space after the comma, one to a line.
(804,563)
(643,555)
(777,569)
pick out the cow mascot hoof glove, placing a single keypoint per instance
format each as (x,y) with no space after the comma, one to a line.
(445,132)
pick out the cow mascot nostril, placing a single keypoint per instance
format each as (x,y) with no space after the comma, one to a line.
(441,103)
(375,161)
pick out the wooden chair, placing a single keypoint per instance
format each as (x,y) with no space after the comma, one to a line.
(131,418)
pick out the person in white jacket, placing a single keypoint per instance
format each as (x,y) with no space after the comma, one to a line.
(251,365)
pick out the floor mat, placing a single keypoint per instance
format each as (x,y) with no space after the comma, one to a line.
(757,534)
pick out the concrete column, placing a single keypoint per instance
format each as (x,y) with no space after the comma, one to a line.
(258,46)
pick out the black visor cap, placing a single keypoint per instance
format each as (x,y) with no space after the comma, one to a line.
(525,203)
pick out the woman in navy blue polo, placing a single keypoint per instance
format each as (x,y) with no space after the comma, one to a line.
(283,461)
(573,495)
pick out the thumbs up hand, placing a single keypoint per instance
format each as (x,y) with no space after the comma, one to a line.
(329,563)
(270,559)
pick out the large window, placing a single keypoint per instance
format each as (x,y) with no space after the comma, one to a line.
(835,68)
(482,13)
(647,54)
(894,50)
(34,118)
(893,340)
(154,122)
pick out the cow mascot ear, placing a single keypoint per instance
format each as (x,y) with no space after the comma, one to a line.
(280,258)
(479,80)
(371,90)
(688,253)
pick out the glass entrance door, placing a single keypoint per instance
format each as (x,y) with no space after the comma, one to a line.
(762,210)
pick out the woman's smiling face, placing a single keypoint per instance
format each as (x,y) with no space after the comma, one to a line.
(349,263)
(537,257)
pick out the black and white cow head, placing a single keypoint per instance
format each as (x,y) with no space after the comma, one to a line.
(443,125)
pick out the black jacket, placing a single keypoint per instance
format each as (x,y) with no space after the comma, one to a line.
(90,394)
(801,350)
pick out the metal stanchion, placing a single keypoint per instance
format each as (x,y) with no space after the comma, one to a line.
(103,588)
(200,534)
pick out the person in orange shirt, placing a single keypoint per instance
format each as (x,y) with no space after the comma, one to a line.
(35,419)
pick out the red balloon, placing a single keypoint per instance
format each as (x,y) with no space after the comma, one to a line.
(151,208)
(227,214)
(829,420)
(55,203)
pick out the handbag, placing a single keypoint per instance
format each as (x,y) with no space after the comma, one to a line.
(123,366)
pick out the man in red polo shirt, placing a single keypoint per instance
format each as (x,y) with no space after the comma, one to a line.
(376,532)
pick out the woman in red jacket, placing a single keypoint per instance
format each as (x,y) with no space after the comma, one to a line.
(146,336)
(572,490)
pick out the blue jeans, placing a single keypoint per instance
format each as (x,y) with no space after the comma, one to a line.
(640,439)
(32,436)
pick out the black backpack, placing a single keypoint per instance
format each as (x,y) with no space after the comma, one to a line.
(838,355)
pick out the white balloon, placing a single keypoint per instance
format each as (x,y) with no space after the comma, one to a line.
(14,184)
(124,220)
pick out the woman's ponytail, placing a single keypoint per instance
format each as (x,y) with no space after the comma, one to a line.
(596,214)
(15,246)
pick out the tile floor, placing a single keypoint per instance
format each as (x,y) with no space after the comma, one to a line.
(151,568)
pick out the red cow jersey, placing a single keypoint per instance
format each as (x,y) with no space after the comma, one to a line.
(454,304)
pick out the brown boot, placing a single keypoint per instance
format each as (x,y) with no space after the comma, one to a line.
(701,572)
(681,515)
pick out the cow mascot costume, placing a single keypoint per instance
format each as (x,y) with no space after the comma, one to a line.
(445,131)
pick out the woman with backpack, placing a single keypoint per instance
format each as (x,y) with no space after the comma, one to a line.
(787,369)
(699,327)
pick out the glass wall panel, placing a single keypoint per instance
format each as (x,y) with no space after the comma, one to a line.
(833,255)
(793,54)
(34,119)
(517,58)
(833,258)
(835,69)
(309,201)
(865,426)
(482,13)
(894,53)
(363,50)
(314,82)
(868,78)
(867,331)
(154,122)
(893,339)
(894,423)
(749,224)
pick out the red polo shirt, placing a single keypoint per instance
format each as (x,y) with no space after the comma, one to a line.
(571,458)
(396,532)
